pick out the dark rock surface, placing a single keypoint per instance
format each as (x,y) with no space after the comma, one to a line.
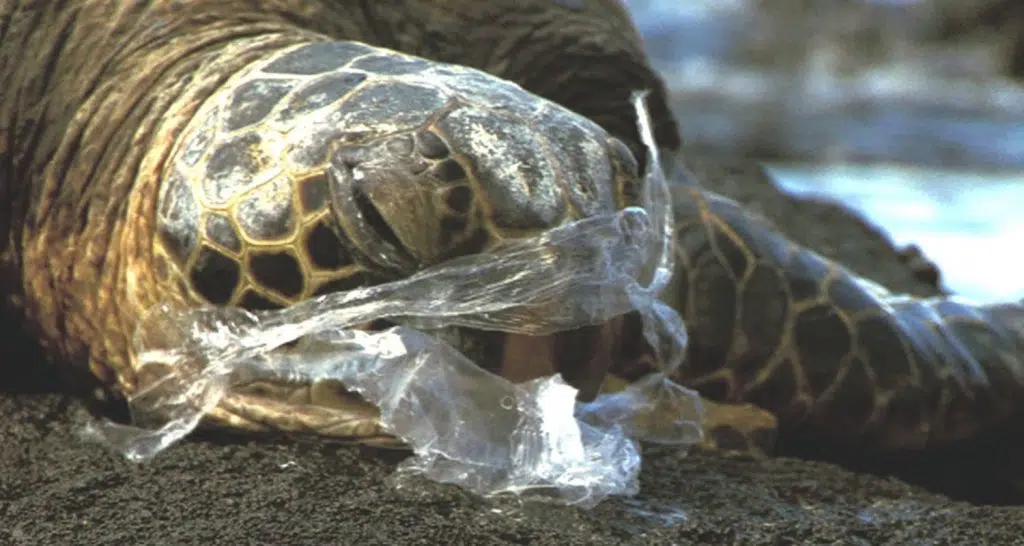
(217,489)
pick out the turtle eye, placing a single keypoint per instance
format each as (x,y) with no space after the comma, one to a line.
(373,217)
(359,214)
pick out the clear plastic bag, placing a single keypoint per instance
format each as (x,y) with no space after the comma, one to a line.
(464,424)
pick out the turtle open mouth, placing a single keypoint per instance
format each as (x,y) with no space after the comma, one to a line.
(583,356)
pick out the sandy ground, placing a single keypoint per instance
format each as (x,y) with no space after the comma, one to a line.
(212,489)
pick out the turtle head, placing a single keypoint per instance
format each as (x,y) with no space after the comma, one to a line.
(471,180)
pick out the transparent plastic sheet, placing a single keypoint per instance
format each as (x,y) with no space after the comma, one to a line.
(464,424)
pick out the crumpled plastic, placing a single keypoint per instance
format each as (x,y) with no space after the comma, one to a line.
(465,425)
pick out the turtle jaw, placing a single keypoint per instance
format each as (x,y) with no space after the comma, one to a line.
(583,356)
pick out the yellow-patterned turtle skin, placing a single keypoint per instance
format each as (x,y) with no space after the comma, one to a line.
(256,153)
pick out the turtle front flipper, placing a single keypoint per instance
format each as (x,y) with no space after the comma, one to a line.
(831,354)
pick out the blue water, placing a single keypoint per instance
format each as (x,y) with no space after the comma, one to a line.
(969,224)
(930,148)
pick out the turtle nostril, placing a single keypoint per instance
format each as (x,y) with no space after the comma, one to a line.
(373,217)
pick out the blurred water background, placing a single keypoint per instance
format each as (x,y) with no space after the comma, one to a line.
(873,103)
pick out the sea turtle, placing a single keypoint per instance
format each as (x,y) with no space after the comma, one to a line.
(255,153)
